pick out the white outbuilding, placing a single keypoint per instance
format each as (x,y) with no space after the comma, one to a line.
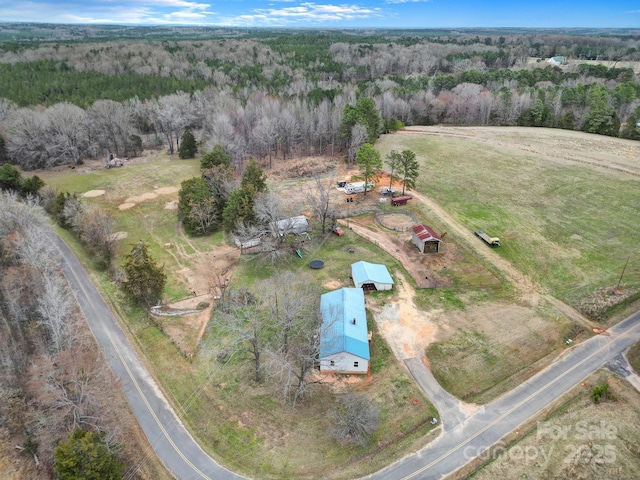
(371,276)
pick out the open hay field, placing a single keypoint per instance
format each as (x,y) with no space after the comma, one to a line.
(565,204)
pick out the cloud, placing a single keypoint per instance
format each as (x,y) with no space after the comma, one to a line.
(141,12)
(304,13)
(407,1)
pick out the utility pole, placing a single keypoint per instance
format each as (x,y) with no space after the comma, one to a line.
(620,279)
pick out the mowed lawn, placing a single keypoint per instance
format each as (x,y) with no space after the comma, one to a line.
(567,225)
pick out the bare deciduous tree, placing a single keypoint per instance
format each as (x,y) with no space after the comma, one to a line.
(247,326)
(321,198)
(98,233)
(55,307)
(358,138)
(355,418)
(171,115)
(291,300)
(294,366)
(112,124)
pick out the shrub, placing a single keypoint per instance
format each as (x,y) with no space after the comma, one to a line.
(600,392)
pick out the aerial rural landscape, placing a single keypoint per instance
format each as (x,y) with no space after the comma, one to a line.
(300,253)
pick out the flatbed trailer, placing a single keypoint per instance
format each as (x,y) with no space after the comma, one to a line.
(493,241)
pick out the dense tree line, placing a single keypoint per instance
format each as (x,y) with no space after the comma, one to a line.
(47,82)
(52,378)
(278,97)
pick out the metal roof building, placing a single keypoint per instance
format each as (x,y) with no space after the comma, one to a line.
(371,276)
(298,224)
(425,239)
(344,340)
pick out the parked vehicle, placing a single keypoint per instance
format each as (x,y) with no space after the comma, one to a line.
(493,241)
(401,200)
(358,187)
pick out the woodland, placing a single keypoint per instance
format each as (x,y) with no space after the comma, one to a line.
(276,94)
(245,100)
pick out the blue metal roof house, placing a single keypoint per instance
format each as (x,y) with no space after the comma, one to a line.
(344,338)
(371,276)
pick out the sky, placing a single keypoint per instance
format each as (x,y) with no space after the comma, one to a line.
(331,13)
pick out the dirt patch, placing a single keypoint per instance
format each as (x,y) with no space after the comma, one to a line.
(407,330)
(141,198)
(185,331)
(93,193)
(134,200)
(119,236)
(332,285)
(397,221)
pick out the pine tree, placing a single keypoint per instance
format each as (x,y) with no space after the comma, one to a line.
(144,279)
(254,177)
(188,146)
(409,169)
(85,455)
(217,156)
(370,162)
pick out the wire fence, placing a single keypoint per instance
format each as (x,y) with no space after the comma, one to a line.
(380,218)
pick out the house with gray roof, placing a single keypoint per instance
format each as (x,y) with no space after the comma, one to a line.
(344,338)
(371,276)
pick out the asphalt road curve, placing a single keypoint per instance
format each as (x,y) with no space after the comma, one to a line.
(187,461)
(173,444)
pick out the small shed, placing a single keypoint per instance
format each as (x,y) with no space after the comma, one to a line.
(425,239)
(344,338)
(371,276)
(297,225)
(252,242)
(401,200)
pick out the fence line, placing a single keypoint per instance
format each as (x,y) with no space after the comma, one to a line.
(397,228)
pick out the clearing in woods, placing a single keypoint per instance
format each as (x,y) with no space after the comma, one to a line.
(490,322)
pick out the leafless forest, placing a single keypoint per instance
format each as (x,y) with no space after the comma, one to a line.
(283,94)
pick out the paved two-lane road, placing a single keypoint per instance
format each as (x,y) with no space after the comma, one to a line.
(173,444)
(466,438)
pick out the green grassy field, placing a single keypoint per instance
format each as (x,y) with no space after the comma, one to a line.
(569,227)
(557,225)
(148,220)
